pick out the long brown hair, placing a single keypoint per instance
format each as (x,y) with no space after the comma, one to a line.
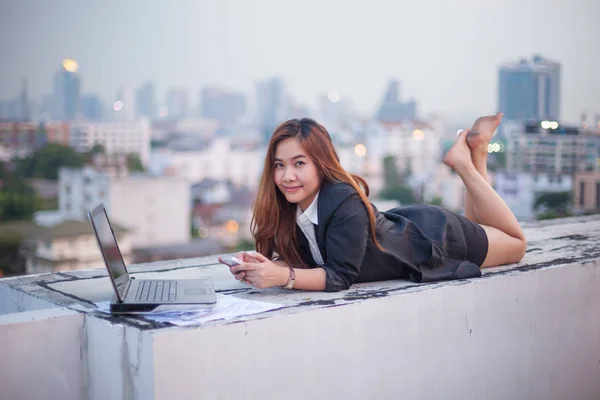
(274,218)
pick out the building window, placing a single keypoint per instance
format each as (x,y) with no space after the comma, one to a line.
(581,193)
(598,195)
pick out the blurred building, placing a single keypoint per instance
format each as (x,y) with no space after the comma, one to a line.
(92,108)
(222,211)
(117,137)
(334,111)
(549,148)
(157,210)
(20,139)
(145,101)
(530,89)
(270,105)
(221,159)
(66,96)
(178,103)
(392,109)
(124,107)
(519,189)
(415,144)
(58,132)
(222,105)
(587,191)
(64,246)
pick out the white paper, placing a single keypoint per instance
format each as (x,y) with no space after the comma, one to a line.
(227,307)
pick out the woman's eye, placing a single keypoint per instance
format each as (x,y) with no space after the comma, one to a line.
(278,165)
(299,163)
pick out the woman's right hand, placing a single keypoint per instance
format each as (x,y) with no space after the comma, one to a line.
(245,257)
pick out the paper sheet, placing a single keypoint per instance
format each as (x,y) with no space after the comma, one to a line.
(227,307)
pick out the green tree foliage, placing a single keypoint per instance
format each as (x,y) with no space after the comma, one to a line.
(97,149)
(46,162)
(394,189)
(436,201)
(11,262)
(134,163)
(553,204)
(18,201)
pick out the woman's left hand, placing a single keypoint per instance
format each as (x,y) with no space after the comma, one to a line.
(262,272)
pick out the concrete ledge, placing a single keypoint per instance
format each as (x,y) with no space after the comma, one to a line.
(529,330)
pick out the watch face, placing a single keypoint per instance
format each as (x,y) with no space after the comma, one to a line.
(290,284)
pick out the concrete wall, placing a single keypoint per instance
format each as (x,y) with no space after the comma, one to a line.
(41,355)
(526,331)
(528,336)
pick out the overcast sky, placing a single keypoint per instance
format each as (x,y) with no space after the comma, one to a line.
(445,53)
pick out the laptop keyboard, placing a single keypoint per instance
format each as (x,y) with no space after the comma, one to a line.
(156,291)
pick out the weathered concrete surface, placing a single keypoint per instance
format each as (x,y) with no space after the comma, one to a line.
(551,244)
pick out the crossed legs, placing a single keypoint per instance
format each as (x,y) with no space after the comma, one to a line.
(468,157)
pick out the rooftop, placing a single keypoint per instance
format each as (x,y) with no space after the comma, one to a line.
(535,324)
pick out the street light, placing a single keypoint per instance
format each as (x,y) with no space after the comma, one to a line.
(418,134)
(360,150)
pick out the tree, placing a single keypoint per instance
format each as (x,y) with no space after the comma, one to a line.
(18,200)
(391,176)
(46,162)
(134,163)
(553,204)
(398,192)
(436,201)
(393,187)
(11,262)
(97,149)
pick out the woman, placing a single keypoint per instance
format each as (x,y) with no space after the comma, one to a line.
(316,218)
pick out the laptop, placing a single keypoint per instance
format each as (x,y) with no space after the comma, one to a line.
(144,296)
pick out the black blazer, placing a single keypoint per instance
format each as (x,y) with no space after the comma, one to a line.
(422,243)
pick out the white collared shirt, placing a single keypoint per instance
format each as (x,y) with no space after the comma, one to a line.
(306,221)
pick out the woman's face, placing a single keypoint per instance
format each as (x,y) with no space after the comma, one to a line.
(296,174)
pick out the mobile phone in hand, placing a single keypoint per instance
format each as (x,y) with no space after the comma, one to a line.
(230,261)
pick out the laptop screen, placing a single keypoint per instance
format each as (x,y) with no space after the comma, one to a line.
(110,249)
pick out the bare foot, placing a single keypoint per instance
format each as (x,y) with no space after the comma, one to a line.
(482,131)
(459,155)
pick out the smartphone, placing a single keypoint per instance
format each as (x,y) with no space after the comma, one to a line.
(230,261)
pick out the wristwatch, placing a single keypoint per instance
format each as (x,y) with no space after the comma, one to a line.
(292,280)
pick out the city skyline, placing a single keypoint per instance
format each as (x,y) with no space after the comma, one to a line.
(446,59)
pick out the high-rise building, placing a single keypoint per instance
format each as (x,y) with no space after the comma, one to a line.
(91,107)
(145,100)
(222,105)
(530,89)
(270,99)
(124,107)
(393,109)
(177,103)
(67,89)
(334,110)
